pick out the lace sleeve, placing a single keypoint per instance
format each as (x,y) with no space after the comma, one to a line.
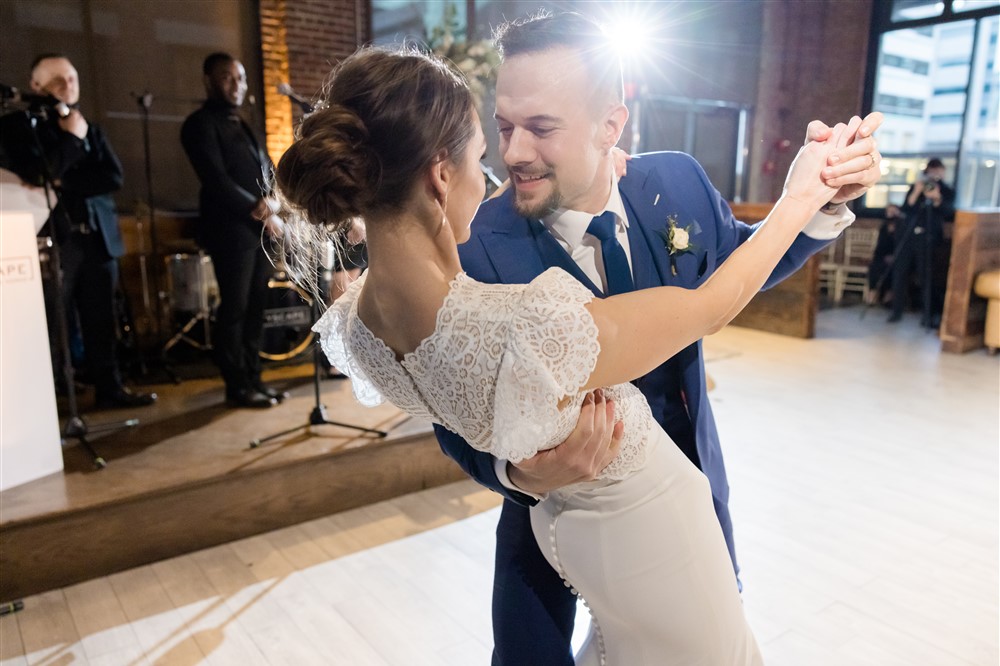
(333,329)
(551,351)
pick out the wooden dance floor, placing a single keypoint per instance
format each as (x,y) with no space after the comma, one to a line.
(186,478)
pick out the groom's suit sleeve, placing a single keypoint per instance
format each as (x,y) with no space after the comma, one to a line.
(477,464)
(731,233)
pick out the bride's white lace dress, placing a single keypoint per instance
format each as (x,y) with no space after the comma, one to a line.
(642,545)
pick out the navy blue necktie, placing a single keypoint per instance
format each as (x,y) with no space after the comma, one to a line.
(616,269)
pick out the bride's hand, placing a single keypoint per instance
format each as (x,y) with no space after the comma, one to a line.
(620,159)
(804,181)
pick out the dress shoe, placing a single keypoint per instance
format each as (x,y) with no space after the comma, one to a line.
(123,397)
(251,398)
(272,392)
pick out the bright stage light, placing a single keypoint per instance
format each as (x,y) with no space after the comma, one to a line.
(628,37)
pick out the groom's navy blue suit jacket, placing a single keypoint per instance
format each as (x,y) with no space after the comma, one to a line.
(508,248)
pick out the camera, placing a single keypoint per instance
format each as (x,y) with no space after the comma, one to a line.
(930,184)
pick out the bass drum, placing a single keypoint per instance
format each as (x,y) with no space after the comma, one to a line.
(287,320)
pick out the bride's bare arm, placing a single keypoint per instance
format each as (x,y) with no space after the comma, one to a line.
(640,330)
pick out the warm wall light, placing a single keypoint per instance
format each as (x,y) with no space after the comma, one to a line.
(274,46)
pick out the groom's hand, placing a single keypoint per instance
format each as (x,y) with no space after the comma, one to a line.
(591,446)
(855,167)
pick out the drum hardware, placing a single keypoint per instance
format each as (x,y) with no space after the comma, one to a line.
(287,320)
(191,288)
(44,257)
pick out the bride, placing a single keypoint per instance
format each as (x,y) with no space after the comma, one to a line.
(397,144)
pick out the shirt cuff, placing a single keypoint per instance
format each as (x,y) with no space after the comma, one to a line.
(827,226)
(500,466)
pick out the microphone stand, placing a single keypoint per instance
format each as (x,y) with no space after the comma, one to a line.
(318,414)
(75,426)
(150,278)
(145,101)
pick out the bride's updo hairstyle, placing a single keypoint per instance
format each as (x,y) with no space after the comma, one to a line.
(384,118)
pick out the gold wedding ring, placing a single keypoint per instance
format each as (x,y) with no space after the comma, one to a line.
(872,156)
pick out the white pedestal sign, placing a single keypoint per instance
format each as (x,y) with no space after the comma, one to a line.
(30,446)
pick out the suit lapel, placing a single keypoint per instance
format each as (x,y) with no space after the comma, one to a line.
(524,249)
(642,193)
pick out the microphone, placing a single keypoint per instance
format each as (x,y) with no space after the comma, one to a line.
(10,93)
(286,90)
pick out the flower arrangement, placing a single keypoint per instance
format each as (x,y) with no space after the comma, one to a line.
(476,60)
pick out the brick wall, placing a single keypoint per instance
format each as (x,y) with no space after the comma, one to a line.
(812,66)
(301,41)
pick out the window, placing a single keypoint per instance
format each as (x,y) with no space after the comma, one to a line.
(395,21)
(935,78)
(904,106)
(911,64)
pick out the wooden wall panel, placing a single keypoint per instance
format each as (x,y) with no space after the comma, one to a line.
(790,307)
(975,247)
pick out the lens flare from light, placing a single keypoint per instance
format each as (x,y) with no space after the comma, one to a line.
(629,38)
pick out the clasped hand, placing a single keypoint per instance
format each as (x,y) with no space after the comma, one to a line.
(266,212)
(845,159)
(853,167)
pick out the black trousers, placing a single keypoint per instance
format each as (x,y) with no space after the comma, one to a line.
(242,276)
(89,280)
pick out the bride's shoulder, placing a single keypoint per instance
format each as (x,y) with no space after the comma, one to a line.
(556,285)
(554,288)
(551,277)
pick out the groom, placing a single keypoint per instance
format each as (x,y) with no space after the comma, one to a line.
(560,111)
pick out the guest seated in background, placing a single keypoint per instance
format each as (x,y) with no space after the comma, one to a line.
(879,270)
(75,157)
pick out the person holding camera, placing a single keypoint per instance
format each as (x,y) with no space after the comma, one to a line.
(929,203)
(55,145)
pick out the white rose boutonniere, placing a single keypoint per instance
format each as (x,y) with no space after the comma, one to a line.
(681,240)
(677,240)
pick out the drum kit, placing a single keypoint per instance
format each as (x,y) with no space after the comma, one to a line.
(192,292)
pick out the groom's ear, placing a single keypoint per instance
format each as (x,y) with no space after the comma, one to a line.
(613,125)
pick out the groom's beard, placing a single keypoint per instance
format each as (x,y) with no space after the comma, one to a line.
(538,209)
